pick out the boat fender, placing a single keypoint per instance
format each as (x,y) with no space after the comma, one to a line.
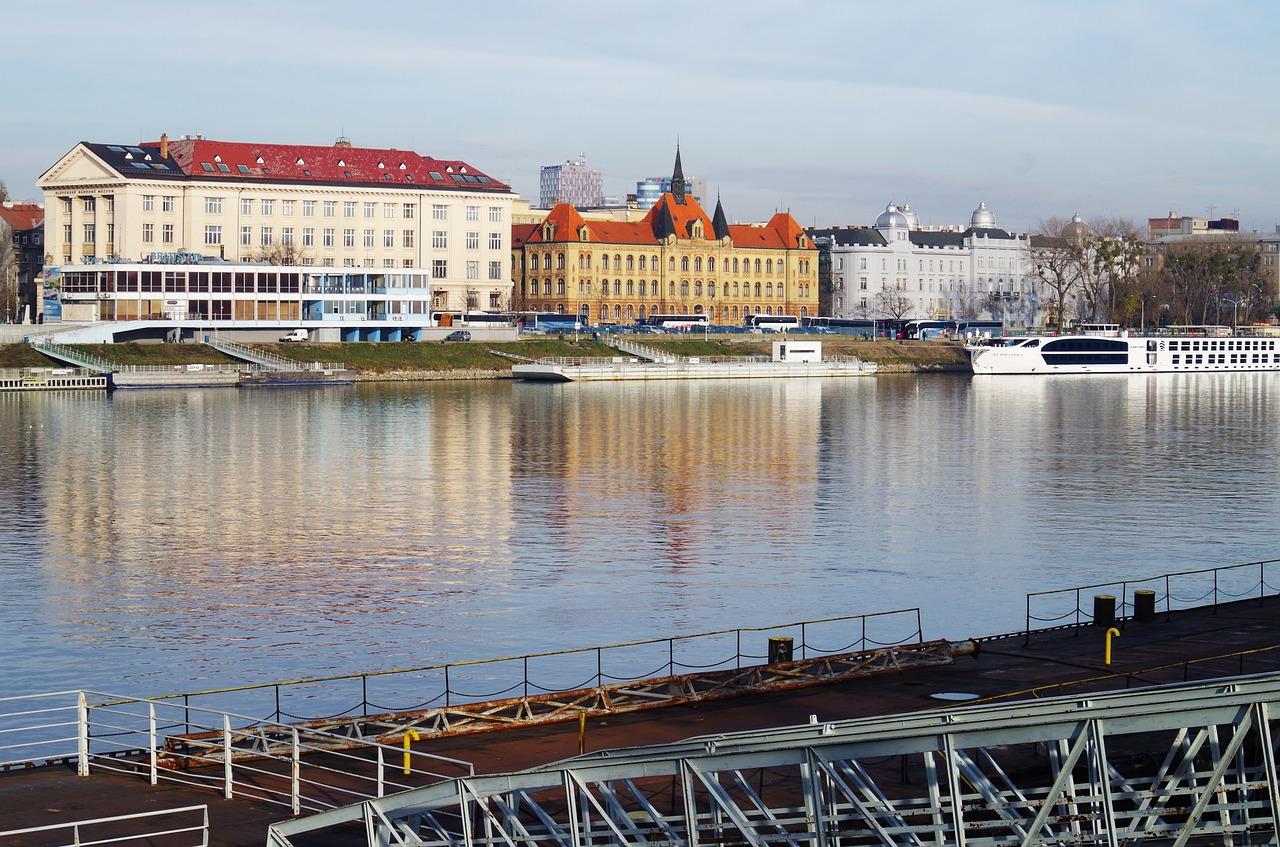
(966,648)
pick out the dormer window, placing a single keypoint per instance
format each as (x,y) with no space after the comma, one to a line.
(342,164)
(128,156)
(381,166)
(584,234)
(448,169)
(217,158)
(147,157)
(403,166)
(260,161)
(462,170)
(298,162)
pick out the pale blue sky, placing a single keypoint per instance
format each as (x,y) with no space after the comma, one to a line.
(826,109)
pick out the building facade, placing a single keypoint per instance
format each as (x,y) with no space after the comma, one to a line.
(650,190)
(897,269)
(573,183)
(339,206)
(676,260)
(22,226)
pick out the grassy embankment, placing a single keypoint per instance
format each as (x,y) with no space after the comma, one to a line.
(425,359)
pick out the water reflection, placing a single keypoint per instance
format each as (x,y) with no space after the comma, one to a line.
(162,541)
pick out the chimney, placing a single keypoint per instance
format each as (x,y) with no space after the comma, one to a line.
(164,145)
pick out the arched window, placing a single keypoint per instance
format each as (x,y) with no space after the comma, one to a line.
(671,263)
(631,314)
(617,287)
(631,287)
(533,287)
(697,264)
(533,262)
(768,310)
(735,291)
(768,266)
(697,288)
(560,287)
(757,266)
(684,288)
(768,289)
(546,288)
(711,265)
(735,265)
(735,314)
(684,263)
(653,264)
(642,263)
(642,310)
(757,285)
(711,289)
(697,310)
(617,262)
(671,288)
(631,263)
(546,261)
(642,287)
(560,308)
(617,312)
(559,261)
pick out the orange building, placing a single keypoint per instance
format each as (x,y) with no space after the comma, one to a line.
(677,260)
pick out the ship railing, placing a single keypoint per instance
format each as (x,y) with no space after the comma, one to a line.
(1162,594)
(236,755)
(221,367)
(535,675)
(177,827)
(604,361)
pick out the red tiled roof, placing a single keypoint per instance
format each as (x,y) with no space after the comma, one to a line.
(22,216)
(201,157)
(780,233)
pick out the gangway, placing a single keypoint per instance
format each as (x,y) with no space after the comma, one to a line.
(71,355)
(1177,764)
(649,354)
(253,355)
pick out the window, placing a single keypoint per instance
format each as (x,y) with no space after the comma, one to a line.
(440,239)
(90,233)
(90,204)
(286,207)
(439,268)
(166,203)
(495,270)
(473,213)
(369,209)
(148,233)
(286,235)
(330,208)
(495,214)
(308,208)
(166,233)
(266,236)
(148,202)
(66,206)
(246,206)
(327,237)
(473,270)
(473,241)
(495,241)
(388,238)
(439,212)
(388,210)
(213,235)
(246,235)
(349,209)
(308,237)
(409,211)
(213,205)
(268,206)
(348,238)
(408,238)
(368,238)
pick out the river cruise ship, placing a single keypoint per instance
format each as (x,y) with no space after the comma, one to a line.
(1105,349)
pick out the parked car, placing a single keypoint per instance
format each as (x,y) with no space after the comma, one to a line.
(458,335)
(295,335)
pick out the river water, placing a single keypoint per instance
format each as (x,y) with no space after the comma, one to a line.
(166,541)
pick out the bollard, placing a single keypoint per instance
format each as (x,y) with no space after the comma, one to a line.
(1104,610)
(1144,605)
(781,649)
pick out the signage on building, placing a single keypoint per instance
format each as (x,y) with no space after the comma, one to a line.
(174,258)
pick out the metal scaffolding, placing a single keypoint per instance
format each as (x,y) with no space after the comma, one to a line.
(1190,763)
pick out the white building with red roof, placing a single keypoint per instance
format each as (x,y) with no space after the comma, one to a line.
(324,206)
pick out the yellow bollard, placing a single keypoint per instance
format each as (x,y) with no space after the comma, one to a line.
(582,733)
(1111,632)
(413,733)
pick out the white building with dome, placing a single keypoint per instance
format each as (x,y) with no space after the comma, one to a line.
(976,272)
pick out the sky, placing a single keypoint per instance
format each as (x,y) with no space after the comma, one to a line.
(827,110)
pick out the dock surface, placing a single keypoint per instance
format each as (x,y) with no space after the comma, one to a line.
(1196,644)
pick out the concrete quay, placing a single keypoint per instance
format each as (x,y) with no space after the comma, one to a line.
(1195,644)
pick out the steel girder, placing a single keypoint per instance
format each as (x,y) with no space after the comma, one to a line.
(1165,765)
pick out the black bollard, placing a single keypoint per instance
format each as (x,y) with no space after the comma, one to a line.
(1104,610)
(781,649)
(1144,605)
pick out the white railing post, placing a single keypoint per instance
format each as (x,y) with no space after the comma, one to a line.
(82,721)
(227,784)
(382,791)
(151,735)
(296,787)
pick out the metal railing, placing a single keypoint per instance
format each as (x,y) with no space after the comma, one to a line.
(1066,607)
(445,685)
(188,745)
(68,353)
(85,833)
(253,354)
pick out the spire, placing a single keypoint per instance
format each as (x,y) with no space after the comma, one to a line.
(664,224)
(719,224)
(677,180)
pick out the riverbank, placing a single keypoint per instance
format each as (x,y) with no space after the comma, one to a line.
(405,362)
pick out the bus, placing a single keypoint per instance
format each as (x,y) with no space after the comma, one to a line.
(863,327)
(685,322)
(478,319)
(549,321)
(979,329)
(771,323)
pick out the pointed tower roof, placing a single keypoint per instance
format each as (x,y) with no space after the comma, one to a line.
(677,180)
(719,224)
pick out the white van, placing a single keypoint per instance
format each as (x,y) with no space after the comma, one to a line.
(295,335)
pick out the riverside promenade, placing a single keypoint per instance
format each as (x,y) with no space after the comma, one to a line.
(1195,644)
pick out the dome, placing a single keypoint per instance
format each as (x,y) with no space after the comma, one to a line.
(982,218)
(891,218)
(913,220)
(1077,229)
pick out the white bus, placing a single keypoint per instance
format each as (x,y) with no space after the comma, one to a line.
(771,323)
(676,321)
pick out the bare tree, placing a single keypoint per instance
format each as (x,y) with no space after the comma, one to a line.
(1199,277)
(1053,257)
(4,191)
(278,253)
(1107,255)
(893,304)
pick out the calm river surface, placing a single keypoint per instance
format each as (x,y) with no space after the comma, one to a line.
(166,541)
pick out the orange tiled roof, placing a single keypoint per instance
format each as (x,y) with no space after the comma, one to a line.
(22,216)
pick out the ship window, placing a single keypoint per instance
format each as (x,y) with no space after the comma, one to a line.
(1175,358)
